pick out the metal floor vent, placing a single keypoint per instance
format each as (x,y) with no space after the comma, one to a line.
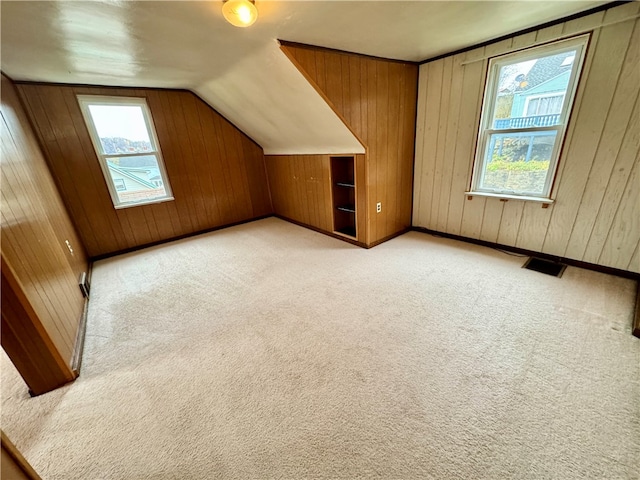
(545,266)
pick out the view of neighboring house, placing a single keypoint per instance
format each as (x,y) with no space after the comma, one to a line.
(136,183)
(541,95)
(126,178)
(536,96)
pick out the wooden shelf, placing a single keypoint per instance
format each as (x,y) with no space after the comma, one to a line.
(347,208)
(347,231)
(344,195)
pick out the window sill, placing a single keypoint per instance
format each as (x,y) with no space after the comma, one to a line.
(139,204)
(505,197)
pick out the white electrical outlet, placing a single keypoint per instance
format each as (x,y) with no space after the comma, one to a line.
(378,207)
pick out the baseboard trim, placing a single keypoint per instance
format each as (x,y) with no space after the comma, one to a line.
(179,237)
(342,237)
(389,237)
(319,230)
(636,322)
(76,358)
(531,253)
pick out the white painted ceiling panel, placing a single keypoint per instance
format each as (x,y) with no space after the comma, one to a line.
(241,72)
(286,114)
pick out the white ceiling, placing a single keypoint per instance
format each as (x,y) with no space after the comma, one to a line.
(241,72)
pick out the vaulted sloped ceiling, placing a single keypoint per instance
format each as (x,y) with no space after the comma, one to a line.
(242,72)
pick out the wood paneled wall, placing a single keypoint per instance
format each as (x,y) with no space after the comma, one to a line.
(13,466)
(216,173)
(595,217)
(376,99)
(301,190)
(41,303)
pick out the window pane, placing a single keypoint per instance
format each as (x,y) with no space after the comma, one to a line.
(121,128)
(533,107)
(119,184)
(518,162)
(137,178)
(531,93)
(547,105)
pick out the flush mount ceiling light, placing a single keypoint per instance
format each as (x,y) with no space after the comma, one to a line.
(240,13)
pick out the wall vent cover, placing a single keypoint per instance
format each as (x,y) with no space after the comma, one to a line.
(84,285)
(545,266)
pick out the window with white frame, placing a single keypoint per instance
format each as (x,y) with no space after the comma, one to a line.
(124,138)
(527,101)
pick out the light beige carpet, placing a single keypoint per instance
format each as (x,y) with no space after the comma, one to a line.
(270,351)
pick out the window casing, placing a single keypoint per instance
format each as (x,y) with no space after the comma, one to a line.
(527,102)
(125,141)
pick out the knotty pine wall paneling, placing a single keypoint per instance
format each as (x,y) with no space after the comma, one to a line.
(42,306)
(376,99)
(597,189)
(216,173)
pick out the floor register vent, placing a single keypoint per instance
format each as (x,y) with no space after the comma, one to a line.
(545,266)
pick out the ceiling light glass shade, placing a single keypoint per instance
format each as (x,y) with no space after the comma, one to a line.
(240,13)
